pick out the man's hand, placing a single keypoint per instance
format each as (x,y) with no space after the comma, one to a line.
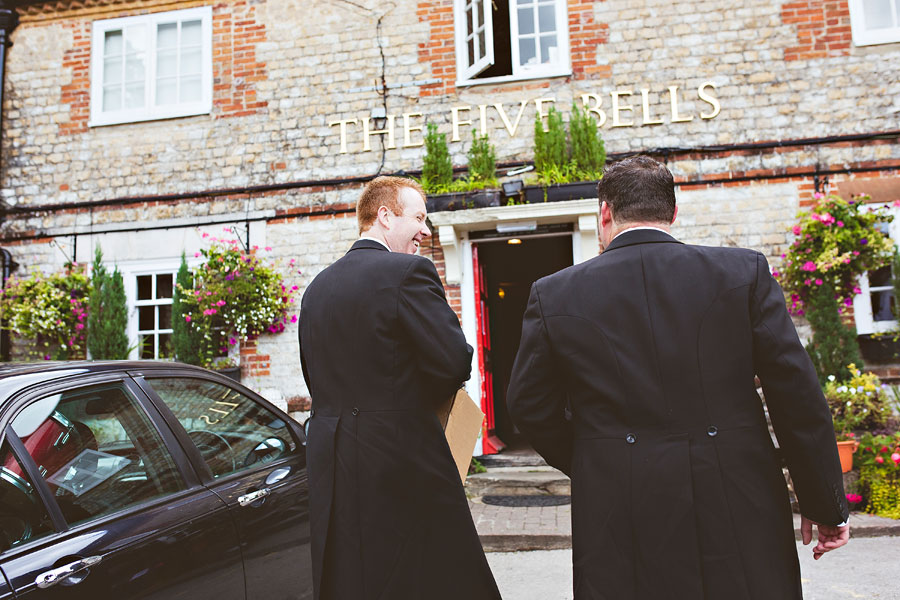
(831,537)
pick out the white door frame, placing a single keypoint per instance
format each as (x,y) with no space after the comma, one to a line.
(453,228)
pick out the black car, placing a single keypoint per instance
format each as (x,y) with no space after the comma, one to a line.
(148,480)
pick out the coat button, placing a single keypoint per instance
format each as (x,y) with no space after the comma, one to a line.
(630,438)
(712,431)
(354,412)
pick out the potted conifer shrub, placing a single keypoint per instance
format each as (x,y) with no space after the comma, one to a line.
(107,336)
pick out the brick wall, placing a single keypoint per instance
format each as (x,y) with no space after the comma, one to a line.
(823,28)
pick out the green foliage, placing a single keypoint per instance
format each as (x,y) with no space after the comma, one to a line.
(186,340)
(107,335)
(878,458)
(437,171)
(833,345)
(837,241)
(236,294)
(858,402)
(588,151)
(475,466)
(463,184)
(51,310)
(482,159)
(550,149)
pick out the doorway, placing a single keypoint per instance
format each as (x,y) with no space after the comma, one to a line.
(504,272)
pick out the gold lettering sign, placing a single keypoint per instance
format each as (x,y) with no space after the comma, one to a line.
(356,133)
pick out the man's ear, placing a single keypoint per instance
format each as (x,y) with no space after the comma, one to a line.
(674,215)
(605,214)
(383,216)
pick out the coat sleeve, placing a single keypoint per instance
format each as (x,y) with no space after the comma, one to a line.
(441,349)
(536,398)
(797,407)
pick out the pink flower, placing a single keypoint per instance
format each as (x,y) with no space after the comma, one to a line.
(209,311)
(879,460)
(854,498)
(819,195)
(79,326)
(896,458)
(796,229)
(187,318)
(294,319)
(856,253)
(220,303)
(268,248)
(856,290)
(205,235)
(808,266)
(232,341)
(840,223)
(818,282)
(196,254)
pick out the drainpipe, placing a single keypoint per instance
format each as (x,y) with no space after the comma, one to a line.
(9,19)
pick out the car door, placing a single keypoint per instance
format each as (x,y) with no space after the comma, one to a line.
(251,455)
(117,511)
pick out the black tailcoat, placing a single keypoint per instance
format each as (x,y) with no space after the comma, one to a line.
(380,348)
(635,375)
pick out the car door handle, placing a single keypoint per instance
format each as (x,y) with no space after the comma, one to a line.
(277,475)
(248,499)
(54,576)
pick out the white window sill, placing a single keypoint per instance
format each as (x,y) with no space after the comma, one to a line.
(513,78)
(121,119)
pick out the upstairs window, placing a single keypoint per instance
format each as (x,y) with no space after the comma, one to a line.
(155,66)
(875,21)
(873,307)
(499,40)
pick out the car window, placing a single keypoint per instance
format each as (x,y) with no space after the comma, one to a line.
(23,516)
(231,430)
(97,450)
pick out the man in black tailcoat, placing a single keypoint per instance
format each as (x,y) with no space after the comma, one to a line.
(635,376)
(380,349)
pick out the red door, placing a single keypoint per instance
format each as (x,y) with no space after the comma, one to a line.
(490,443)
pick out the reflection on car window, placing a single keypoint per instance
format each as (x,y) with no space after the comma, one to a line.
(97,450)
(231,430)
(23,516)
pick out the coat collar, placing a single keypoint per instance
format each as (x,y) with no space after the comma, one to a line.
(641,236)
(367,245)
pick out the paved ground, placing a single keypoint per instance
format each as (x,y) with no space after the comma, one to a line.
(866,569)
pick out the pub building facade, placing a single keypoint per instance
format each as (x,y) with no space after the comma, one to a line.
(138,127)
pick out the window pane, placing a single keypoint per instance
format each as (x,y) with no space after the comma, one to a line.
(877,14)
(23,516)
(478,9)
(547,18)
(112,71)
(147,344)
(136,39)
(191,90)
(191,63)
(526,51)
(98,449)
(167,91)
(883,306)
(134,95)
(880,277)
(134,68)
(165,317)
(145,287)
(164,285)
(548,48)
(167,35)
(231,430)
(166,63)
(481,44)
(472,51)
(146,318)
(526,21)
(112,43)
(112,98)
(165,346)
(190,34)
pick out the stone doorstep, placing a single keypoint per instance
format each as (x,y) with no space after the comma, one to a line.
(518,482)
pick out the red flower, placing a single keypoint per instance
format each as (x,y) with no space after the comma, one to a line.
(879,460)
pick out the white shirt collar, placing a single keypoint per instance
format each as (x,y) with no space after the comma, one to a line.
(365,237)
(642,227)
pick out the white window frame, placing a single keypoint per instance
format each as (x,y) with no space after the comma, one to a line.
(862,36)
(466,73)
(130,273)
(150,111)
(862,302)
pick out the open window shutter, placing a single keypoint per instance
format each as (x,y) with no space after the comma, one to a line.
(477,38)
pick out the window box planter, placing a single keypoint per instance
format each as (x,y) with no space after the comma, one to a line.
(883,348)
(462,200)
(561,192)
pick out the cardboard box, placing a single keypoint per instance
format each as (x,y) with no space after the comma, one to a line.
(461,419)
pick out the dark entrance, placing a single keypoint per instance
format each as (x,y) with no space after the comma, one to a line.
(508,268)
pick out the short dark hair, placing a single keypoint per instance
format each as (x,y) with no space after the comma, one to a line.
(638,188)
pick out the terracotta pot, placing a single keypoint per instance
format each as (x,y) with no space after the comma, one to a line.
(845,452)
